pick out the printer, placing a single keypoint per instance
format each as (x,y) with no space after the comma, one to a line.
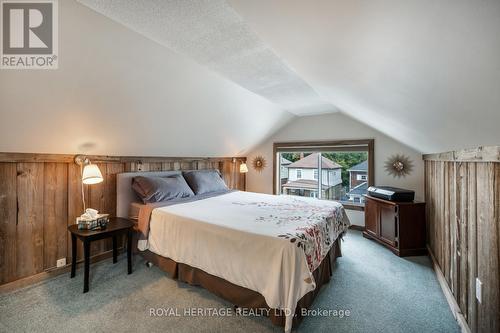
(391,193)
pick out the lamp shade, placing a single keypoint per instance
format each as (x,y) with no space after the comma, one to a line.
(243,168)
(91,174)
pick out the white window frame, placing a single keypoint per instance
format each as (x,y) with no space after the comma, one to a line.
(362,177)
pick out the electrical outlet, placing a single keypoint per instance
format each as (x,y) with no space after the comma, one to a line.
(61,262)
(479,287)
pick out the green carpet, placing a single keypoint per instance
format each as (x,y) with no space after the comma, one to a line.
(383,293)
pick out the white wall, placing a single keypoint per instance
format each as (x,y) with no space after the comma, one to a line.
(117,92)
(338,127)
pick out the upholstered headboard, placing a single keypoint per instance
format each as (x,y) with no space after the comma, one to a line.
(125,195)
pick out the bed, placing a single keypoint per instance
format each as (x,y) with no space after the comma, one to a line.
(255,250)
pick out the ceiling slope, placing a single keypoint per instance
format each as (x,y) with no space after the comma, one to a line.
(118,93)
(424,72)
(214,35)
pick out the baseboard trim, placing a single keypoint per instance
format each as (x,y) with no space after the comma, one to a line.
(48,274)
(357,227)
(455,309)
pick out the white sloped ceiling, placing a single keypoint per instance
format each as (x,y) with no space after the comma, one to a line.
(214,35)
(426,73)
(119,93)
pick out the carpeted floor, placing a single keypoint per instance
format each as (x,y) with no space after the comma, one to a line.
(383,293)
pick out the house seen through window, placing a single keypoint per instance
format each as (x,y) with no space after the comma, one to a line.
(336,172)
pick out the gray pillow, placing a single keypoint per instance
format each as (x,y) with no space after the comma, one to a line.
(155,189)
(204,181)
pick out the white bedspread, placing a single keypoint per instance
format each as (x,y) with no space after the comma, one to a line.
(266,243)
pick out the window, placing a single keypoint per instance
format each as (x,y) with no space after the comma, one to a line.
(362,177)
(346,170)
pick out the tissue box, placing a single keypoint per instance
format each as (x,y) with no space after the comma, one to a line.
(100,222)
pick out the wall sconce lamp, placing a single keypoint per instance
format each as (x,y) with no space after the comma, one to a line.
(243,168)
(90,173)
(243,165)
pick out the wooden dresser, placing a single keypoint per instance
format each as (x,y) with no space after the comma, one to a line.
(400,226)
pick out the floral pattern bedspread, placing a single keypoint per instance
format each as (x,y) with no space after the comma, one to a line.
(312,224)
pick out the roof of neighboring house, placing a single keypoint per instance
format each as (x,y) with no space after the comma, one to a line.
(311,162)
(363,166)
(284,161)
(304,184)
(359,190)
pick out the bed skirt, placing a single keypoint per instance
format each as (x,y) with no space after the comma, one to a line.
(244,297)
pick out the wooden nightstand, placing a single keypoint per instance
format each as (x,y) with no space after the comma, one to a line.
(115,227)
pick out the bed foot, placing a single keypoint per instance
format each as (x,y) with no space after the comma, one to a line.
(149,264)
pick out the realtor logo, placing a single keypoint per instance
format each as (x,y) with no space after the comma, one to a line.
(29,34)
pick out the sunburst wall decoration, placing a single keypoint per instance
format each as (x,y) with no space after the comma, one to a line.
(398,165)
(259,163)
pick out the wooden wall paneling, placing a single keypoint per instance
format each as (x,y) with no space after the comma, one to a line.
(462,242)
(478,154)
(134,166)
(429,188)
(97,200)
(434,211)
(128,167)
(41,194)
(55,218)
(429,204)
(227,170)
(440,215)
(445,212)
(202,165)
(29,233)
(426,194)
(235,175)
(496,222)
(75,204)
(112,169)
(453,227)
(166,166)
(140,166)
(437,209)
(447,242)
(8,222)
(487,247)
(472,246)
(186,165)
(155,166)
(463,208)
